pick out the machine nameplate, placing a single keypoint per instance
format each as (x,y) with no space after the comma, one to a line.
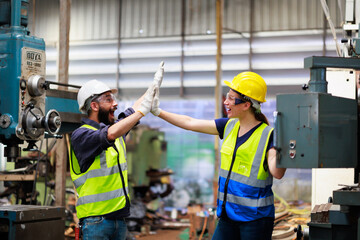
(33,62)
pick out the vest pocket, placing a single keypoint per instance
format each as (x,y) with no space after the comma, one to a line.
(226,157)
(243,164)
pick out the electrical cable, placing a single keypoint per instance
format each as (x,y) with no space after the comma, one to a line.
(203,229)
(341,12)
(37,166)
(327,14)
(45,180)
(35,177)
(290,209)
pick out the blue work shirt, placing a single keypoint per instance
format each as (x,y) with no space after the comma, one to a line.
(87,143)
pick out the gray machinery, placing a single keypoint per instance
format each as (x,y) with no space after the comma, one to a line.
(29,111)
(315,129)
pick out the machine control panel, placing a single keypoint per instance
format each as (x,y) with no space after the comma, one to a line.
(33,121)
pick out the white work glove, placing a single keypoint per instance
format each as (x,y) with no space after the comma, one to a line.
(155,110)
(145,105)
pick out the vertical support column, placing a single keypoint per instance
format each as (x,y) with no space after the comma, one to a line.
(63,77)
(15,13)
(63,49)
(33,17)
(60,172)
(118,51)
(318,81)
(252,9)
(183,24)
(324,35)
(218,89)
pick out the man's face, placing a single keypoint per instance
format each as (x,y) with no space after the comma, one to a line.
(107,107)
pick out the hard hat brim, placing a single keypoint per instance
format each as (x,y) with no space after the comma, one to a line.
(114,91)
(229,84)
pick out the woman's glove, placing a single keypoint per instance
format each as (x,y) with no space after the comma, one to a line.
(157,82)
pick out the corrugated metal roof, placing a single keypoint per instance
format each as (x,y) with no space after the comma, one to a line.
(98,19)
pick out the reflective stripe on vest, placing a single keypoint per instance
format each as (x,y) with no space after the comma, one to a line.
(249,202)
(254,177)
(101,196)
(99,173)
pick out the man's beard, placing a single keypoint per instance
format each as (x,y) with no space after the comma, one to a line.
(104,116)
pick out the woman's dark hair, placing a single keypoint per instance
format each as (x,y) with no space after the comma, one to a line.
(260,116)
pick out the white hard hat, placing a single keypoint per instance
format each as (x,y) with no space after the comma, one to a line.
(90,89)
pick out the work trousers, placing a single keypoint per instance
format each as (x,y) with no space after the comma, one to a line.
(260,229)
(100,228)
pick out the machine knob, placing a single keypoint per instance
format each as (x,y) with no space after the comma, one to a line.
(36,85)
(5,121)
(292,153)
(292,144)
(52,122)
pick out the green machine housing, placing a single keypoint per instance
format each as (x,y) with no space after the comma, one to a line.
(316,130)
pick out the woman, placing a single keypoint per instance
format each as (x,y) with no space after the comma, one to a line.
(245,203)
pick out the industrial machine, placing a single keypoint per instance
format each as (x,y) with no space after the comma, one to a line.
(146,156)
(25,112)
(30,110)
(315,129)
(27,222)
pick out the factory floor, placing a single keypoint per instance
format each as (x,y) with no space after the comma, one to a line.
(183,234)
(167,234)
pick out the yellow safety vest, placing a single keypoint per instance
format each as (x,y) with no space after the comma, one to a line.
(103,188)
(248,192)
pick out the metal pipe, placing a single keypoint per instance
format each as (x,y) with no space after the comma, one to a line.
(183,19)
(62,84)
(118,51)
(324,35)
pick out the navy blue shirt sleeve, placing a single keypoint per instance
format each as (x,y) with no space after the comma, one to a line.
(220,126)
(271,142)
(126,113)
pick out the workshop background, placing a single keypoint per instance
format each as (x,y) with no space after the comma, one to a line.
(121,43)
(270,38)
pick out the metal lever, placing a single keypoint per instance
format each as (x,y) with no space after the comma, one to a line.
(31,106)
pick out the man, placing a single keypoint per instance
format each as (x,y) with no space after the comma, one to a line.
(98,158)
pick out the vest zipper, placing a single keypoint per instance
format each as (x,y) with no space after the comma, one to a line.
(121,175)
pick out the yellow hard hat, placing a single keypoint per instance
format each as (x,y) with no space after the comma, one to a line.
(250,84)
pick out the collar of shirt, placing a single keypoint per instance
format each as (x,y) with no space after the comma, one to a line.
(92,123)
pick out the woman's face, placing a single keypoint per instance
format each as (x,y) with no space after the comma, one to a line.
(233,110)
